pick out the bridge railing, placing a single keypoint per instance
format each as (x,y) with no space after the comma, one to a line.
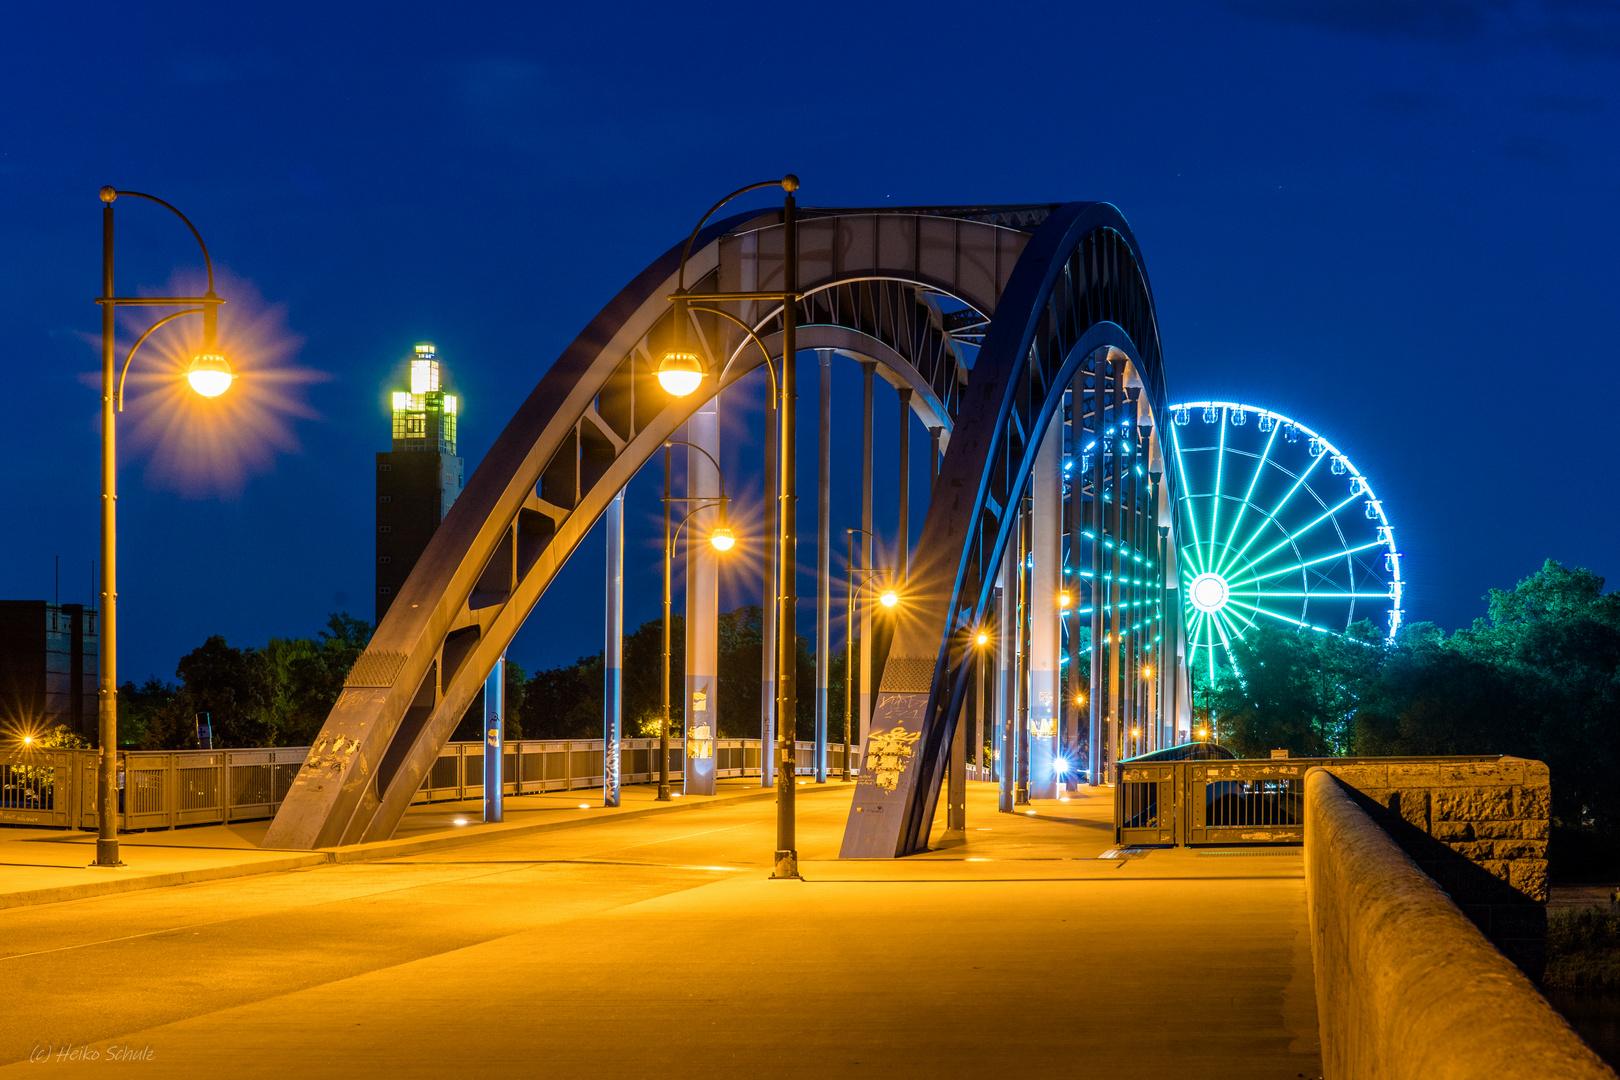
(1243,801)
(165,789)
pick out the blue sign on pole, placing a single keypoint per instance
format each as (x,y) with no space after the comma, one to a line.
(494,739)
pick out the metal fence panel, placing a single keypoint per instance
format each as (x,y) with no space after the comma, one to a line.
(165,789)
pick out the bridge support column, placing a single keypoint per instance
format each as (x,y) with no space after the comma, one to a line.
(864,603)
(702,603)
(494,740)
(823,561)
(902,551)
(1073,693)
(1096,521)
(1115,561)
(1006,635)
(1045,611)
(613,653)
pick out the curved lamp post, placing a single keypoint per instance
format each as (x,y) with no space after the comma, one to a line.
(209,375)
(680,372)
(722,539)
(889,598)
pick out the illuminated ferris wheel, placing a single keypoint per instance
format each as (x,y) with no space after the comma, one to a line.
(1277,526)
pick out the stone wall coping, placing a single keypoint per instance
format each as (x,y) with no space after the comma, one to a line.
(1406,985)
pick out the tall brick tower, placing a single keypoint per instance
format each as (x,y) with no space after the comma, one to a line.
(419,479)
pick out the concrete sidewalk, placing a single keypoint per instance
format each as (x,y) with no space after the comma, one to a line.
(660,945)
(45,866)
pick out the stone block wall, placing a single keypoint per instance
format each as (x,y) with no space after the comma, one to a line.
(1407,988)
(1479,829)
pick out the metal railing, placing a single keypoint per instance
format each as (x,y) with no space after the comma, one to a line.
(166,789)
(1257,801)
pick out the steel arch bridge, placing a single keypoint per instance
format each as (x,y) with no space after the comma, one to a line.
(1053,300)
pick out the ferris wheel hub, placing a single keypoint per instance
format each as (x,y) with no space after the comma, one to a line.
(1209,592)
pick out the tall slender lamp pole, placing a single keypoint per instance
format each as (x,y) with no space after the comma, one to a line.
(680,372)
(209,376)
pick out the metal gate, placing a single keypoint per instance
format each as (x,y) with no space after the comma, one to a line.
(1254,801)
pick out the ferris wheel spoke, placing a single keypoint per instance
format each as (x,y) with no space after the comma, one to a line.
(1186,496)
(1297,533)
(1247,544)
(1320,594)
(1259,468)
(1215,502)
(1309,562)
(1281,617)
(1232,619)
(1226,647)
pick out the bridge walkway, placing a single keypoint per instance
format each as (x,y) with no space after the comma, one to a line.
(655,945)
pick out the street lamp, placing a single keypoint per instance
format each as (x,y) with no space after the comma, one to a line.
(684,369)
(209,375)
(849,627)
(721,539)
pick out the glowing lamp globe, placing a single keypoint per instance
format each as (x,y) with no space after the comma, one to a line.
(679,373)
(1063,599)
(983,638)
(722,539)
(889,598)
(210,375)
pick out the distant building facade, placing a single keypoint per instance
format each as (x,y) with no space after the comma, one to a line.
(419,479)
(49,655)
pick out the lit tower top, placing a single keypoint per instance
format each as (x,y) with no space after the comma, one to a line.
(425,416)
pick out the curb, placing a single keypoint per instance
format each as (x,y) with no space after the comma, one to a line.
(90,889)
(354,853)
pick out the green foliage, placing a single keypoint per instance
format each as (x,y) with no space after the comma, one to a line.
(60,737)
(276,696)
(1583,947)
(1538,677)
(1300,690)
(567,702)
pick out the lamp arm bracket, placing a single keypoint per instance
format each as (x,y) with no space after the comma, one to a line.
(118,398)
(680,281)
(770,368)
(209,263)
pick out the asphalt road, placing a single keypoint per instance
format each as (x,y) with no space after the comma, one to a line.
(658,946)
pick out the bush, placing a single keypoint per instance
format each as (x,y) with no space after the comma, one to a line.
(1583,948)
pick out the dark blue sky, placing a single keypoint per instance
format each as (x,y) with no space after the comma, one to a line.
(1393,221)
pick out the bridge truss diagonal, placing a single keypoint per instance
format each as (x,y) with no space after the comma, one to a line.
(910,291)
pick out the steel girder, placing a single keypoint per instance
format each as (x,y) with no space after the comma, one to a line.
(1079,294)
(869,278)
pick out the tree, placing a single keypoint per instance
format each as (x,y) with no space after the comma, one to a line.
(310,676)
(234,687)
(1556,637)
(1296,689)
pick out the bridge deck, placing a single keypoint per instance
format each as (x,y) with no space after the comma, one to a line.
(654,944)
